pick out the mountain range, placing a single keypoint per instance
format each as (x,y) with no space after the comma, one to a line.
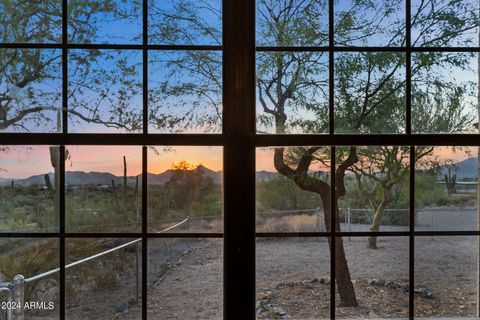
(105,178)
(466,169)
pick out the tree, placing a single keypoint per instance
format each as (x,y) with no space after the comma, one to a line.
(293,87)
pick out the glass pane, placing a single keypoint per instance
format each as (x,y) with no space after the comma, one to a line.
(108,286)
(289,196)
(370,23)
(293,278)
(379,277)
(444,92)
(292,92)
(30,21)
(185,92)
(31,257)
(30,90)
(103,189)
(370,92)
(185,279)
(446,277)
(100,21)
(445,23)
(446,188)
(376,189)
(29,180)
(185,22)
(185,189)
(105,91)
(292,23)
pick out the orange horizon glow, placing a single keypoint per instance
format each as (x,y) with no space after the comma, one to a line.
(23,162)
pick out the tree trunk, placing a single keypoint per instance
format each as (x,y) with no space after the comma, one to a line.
(345,288)
(300,176)
(372,241)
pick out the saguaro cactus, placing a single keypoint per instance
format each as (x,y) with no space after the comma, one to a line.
(450,182)
(128,203)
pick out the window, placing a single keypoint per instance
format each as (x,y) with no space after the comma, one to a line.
(240,159)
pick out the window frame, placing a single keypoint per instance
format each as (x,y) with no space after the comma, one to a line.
(239,140)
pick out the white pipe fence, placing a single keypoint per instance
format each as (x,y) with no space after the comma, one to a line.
(16,288)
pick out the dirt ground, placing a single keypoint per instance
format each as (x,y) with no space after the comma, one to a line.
(293,280)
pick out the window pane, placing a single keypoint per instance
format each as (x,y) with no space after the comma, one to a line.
(446,277)
(100,21)
(30,21)
(185,279)
(106,287)
(292,23)
(370,23)
(376,190)
(444,92)
(445,23)
(185,92)
(370,92)
(30,257)
(380,279)
(103,189)
(105,91)
(286,199)
(30,90)
(446,188)
(293,278)
(185,22)
(185,189)
(292,92)
(29,180)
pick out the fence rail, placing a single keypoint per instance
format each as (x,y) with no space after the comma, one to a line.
(16,288)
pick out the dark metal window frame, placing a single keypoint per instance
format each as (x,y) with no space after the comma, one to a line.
(239,141)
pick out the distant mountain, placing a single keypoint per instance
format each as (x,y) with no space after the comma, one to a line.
(262,176)
(466,169)
(105,178)
(162,178)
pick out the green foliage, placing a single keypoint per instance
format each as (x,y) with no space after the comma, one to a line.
(29,258)
(188,192)
(280,193)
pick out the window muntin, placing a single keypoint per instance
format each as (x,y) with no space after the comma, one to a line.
(293,139)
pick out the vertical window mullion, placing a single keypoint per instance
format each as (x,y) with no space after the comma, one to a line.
(408,131)
(61,154)
(239,158)
(144,157)
(144,231)
(333,231)
(61,199)
(411,249)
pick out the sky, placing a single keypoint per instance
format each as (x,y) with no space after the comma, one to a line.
(23,162)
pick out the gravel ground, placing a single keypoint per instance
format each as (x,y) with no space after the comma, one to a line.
(293,280)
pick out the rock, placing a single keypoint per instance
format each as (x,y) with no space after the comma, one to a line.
(267,294)
(122,307)
(424,293)
(314,280)
(279,311)
(402,289)
(377,282)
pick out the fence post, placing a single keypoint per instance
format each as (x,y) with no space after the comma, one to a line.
(18,288)
(137,270)
(349,221)
(8,310)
